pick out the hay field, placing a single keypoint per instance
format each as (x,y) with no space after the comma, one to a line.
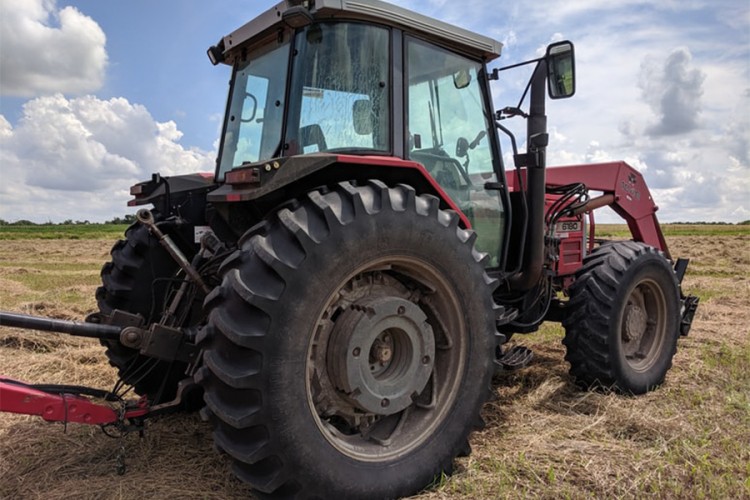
(544,438)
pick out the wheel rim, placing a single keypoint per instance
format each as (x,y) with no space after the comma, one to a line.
(644,326)
(383,362)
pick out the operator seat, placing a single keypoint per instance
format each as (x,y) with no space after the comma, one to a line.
(312,139)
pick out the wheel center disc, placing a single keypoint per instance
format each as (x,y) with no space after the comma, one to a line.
(381,354)
(635,323)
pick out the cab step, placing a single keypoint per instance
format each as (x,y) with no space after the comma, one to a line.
(514,358)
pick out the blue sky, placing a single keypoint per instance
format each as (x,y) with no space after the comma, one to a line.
(95,96)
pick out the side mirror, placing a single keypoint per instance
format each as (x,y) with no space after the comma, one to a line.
(462,147)
(561,70)
(461,79)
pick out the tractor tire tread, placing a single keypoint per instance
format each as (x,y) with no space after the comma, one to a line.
(126,286)
(241,316)
(591,311)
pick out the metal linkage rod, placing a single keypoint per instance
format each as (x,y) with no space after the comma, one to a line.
(76,328)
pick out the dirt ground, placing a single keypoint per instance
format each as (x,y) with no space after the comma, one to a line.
(544,437)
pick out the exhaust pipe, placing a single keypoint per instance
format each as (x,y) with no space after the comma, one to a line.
(536,163)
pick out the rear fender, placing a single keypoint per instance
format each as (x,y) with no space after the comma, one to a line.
(251,191)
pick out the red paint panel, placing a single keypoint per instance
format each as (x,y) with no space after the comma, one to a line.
(17,398)
(633,201)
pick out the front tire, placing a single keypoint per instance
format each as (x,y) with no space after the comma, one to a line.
(623,318)
(349,349)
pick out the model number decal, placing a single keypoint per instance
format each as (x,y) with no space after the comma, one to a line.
(568,226)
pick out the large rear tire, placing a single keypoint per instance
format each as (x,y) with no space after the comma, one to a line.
(350,346)
(136,281)
(623,318)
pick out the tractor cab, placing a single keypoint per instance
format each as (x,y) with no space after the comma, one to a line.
(370,79)
(390,84)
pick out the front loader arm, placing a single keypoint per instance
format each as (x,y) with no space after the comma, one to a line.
(625,191)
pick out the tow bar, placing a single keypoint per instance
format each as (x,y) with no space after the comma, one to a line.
(66,403)
(61,403)
(76,328)
(161,340)
(75,404)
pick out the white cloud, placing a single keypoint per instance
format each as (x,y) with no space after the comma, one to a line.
(47,50)
(663,86)
(673,90)
(700,172)
(76,158)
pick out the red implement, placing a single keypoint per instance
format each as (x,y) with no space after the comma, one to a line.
(18,397)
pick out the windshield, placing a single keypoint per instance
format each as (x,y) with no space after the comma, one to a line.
(254,118)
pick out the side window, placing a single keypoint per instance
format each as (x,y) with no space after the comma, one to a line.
(421,113)
(252,127)
(250,138)
(445,112)
(448,132)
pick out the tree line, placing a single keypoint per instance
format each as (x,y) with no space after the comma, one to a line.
(127,219)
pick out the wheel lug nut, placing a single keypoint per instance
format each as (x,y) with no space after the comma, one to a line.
(401,309)
(385,402)
(356,352)
(425,360)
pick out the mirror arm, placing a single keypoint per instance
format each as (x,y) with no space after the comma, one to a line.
(509,112)
(517,65)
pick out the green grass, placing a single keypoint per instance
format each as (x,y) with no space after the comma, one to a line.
(115,231)
(63,232)
(54,266)
(622,231)
(706,294)
(43,282)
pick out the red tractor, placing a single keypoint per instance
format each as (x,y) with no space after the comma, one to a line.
(339,293)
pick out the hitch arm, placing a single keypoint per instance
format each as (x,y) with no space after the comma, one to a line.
(76,328)
(18,397)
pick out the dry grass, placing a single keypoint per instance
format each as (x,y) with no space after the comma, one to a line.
(544,437)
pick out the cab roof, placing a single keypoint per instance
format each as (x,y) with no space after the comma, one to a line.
(289,12)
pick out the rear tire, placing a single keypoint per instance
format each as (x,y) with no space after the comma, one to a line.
(623,318)
(134,282)
(359,310)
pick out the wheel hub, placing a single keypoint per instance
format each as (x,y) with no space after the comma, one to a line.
(381,354)
(636,322)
